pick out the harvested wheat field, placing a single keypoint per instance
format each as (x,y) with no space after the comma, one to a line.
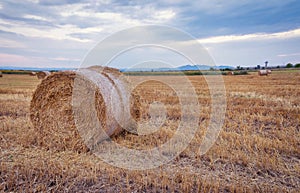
(258,149)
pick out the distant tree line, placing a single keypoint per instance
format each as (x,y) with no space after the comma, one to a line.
(289,65)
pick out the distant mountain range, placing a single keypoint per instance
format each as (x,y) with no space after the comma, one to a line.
(180,68)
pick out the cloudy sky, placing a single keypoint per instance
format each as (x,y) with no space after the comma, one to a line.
(60,33)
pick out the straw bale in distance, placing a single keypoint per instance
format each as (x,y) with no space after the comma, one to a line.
(32,73)
(42,74)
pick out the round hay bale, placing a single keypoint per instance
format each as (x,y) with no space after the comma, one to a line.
(264,72)
(32,73)
(52,109)
(42,74)
(1,74)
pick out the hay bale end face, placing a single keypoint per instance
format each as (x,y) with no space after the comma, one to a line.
(52,114)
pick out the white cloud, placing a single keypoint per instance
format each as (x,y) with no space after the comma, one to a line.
(61,32)
(164,15)
(118,18)
(106,17)
(35,61)
(70,9)
(36,17)
(6,43)
(15,60)
(250,37)
(102,23)
(288,55)
(33,1)
(232,6)
(2,22)
(65,59)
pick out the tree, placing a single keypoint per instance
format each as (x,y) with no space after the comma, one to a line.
(297,65)
(289,65)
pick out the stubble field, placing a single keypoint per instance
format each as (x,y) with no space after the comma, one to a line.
(258,148)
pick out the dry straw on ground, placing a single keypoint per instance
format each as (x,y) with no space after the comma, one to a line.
(52,114)
(258,149)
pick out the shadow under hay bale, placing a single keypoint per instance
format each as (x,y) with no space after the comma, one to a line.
(54,108)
